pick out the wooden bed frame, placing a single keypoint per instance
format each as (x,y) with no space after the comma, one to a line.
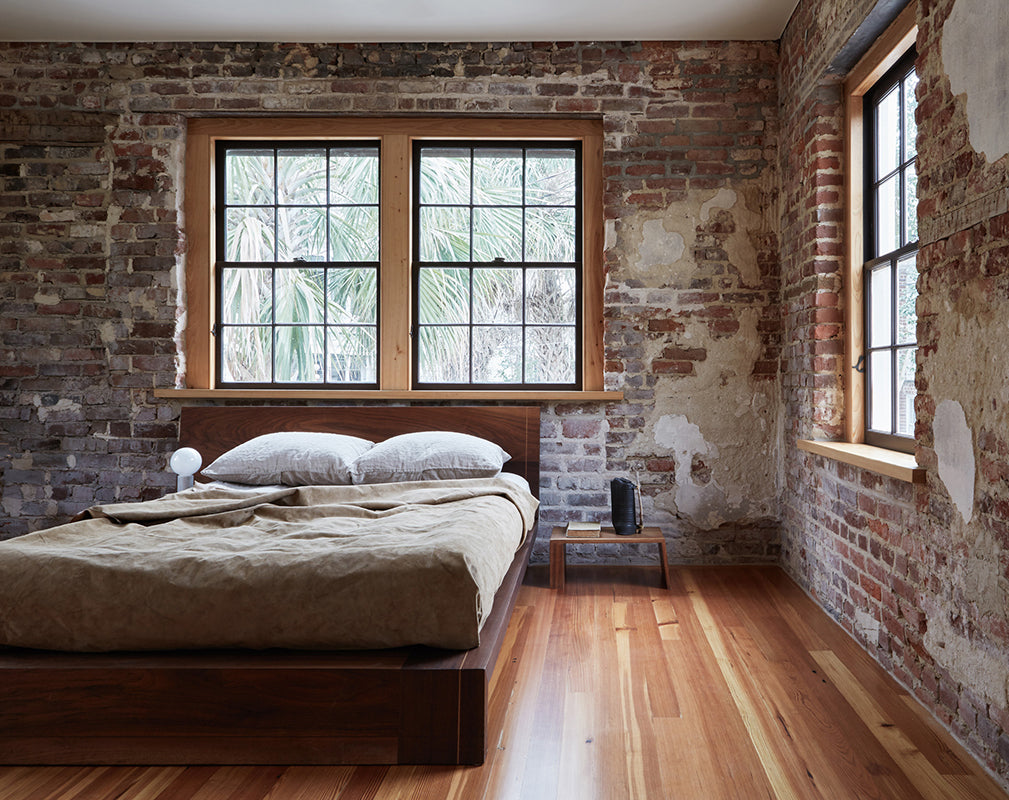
(414,705)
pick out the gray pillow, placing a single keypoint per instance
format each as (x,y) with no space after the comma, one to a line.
(294,458)
(429,455)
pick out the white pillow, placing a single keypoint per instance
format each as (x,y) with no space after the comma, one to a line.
(294,458)
(429,455)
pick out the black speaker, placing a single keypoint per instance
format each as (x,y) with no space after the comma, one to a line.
(623,506)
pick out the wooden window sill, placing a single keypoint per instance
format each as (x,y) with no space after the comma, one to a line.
(379,394)
(901,466)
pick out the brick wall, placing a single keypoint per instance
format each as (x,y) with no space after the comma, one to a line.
(923,590)
(90,244)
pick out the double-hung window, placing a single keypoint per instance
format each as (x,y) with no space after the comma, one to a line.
(297,264)
(891,245)
(497,255)
(394,257)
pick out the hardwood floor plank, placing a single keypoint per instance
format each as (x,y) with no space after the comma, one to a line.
(311,783)
(929,782)
(756,719)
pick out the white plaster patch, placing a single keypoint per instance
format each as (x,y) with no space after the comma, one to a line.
(977,61)
(967,661)
(867,625)
(659,246)
(704,505)
(63,404)
(954,448)
(45,299)
(610,234)
(724,198)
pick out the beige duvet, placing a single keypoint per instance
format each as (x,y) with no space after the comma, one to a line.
(312,567)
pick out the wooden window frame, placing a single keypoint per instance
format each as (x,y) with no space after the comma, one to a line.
(888,49)
(395,137)
(881,57)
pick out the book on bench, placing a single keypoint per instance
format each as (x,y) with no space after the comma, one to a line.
(586,530)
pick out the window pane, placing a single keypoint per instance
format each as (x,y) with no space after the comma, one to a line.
(497,177)
(888,133)
(444,355)
(353,176)
(880,307)
(444,295)
(880,391)
(550,355)
(249,177)
(497,233)
(497,354)
(550,234)
(550,296)
(550,177)
(298,354)
(352,295)
(301,233)
(247,295)
(444,234)
(888,216)
(497,296)
(910,126)
(907,295)
(352,356)
(301,177)
(299,295)
(249,234)
(910,204)
(905,391)
(246,355)
(353,233)
(445,176)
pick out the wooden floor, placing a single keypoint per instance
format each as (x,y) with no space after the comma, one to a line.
(732,684)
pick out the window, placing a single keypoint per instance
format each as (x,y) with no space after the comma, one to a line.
(497,255)
(891,244)
(297,264)
(394,258)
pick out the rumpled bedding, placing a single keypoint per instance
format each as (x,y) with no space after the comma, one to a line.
(317,567)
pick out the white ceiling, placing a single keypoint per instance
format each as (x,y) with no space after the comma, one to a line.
(390,20)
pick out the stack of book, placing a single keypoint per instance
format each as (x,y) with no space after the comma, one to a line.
(583,530)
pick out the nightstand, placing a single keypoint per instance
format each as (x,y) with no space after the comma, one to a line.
(559,539)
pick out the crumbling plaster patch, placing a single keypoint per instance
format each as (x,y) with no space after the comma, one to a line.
(970,365)
(662,246)
(954,449)
(725,418)
(976,59)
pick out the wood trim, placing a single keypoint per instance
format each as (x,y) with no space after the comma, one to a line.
(901,466)
(395,134)
(593,274)
(199,237)
(381,394)
(375,127)
(885,52)
(395,302)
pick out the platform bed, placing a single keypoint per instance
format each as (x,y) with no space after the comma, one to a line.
(413,705)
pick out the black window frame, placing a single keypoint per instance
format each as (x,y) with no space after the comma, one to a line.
(417,265)
(873,260)
(221,264)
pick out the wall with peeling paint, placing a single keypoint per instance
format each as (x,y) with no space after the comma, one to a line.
(919,574)
(90,218)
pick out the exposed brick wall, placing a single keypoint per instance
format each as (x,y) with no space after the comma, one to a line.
(91,248)
(921,589)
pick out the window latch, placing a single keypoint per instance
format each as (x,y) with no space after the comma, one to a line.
(860,365)
(214,330)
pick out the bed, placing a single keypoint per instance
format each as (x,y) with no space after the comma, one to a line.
(408,705)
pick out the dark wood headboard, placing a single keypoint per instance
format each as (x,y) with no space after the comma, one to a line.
(214,429)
